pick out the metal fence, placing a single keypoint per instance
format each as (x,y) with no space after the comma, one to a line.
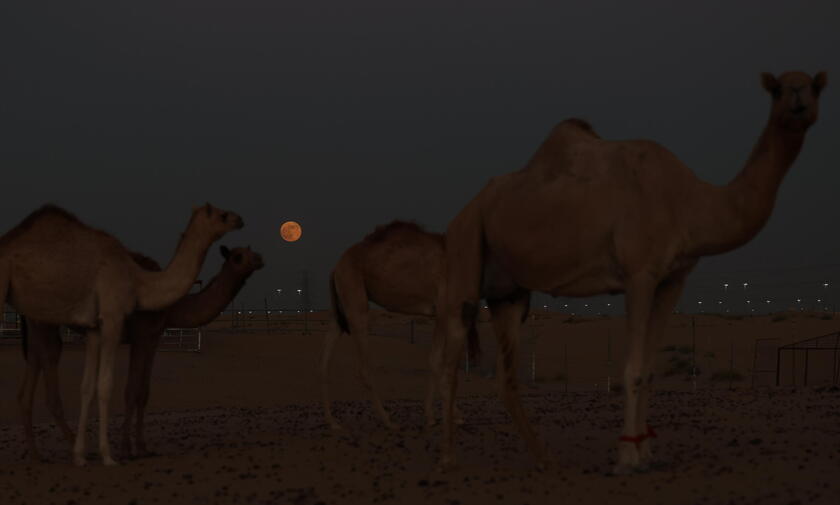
(588,353)
(173,339)
(813,361)
(270,320)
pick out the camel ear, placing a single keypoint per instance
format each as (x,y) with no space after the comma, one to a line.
(225,252)
(820,80)
(771,84)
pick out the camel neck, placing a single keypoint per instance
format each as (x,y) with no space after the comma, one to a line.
(159,290)
(201,308)
(733,214)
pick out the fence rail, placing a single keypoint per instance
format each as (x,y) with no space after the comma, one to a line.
(173,339)
(826,349)
(696,353)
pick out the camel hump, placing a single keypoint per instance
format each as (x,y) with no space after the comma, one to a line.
(384,232)
(145,262)
(575,125)
(44,212)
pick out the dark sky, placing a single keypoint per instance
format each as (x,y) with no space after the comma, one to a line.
(346,114)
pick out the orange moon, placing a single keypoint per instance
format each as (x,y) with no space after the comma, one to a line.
(290,231)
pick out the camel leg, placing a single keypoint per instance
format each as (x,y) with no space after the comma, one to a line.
(150,351)
(435,368)
(132,390)
(434,372)
(87,391)
(359,332)
(508,316)
(26,394)
(329,342)
(639,295)
(111,331)
(453,348)
(665,299)
(51,389)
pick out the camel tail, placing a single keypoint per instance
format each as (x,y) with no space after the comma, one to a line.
(335,302)
(24,337)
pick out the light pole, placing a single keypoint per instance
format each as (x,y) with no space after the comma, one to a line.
(825,293)
(745,296)
(725,290)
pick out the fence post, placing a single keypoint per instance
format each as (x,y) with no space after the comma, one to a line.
(566,364)
(533,348)
(411,331)
(609,359)
(778,364)
(693,354)
(806,368)
(731,360)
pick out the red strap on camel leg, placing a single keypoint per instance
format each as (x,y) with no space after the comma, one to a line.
(636,440)
(639,438)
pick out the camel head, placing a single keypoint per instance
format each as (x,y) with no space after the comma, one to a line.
(212,222)
(243,260)
(795,98)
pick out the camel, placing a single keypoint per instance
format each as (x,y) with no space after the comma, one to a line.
(57,270)
(398,266)
(589,216)
(143,331)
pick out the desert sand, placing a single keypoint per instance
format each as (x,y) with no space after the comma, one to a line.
(241,422)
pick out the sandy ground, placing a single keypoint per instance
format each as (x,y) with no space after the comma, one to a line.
(241,423)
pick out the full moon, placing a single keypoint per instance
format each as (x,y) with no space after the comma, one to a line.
(290,231)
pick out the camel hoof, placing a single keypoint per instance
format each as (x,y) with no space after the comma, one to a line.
(626,469)
(79,460)
(446,464)
(623,469)
(432,421)
(543,463)
(109,462)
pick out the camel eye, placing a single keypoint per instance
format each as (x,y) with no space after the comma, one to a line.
(237,259)
(224,216)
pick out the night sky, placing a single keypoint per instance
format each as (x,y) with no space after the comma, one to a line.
(346,114)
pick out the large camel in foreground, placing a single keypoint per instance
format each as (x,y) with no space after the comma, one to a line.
(398,266)
(42,345)
(588,216)
(56,269)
